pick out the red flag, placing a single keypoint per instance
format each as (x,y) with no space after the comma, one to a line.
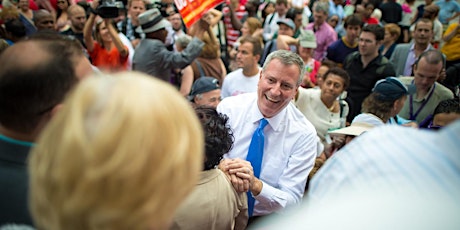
(192,10)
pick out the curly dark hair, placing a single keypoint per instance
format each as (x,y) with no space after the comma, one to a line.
(448,106)
(218,135)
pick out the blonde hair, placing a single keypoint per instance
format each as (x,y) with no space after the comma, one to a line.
(123,153)
(253,24)
(393,29)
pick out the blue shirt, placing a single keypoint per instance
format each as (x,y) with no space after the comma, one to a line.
(447,9)
(339,50)
(392,157)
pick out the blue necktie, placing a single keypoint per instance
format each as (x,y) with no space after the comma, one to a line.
(255,154)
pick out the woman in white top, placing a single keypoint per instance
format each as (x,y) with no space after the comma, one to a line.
(322,106)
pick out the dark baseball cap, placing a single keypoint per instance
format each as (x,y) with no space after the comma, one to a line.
(391,89)
(203,85)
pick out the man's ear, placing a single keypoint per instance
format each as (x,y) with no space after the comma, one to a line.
(56,109)
(257,57)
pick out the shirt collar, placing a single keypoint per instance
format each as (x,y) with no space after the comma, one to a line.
(16,142)
(255,115)
(412,47)
(426,95)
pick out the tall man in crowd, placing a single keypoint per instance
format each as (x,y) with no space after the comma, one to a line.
(405,55)
(366,67)
(429,93)
(283,149)
(32,88)
(246,77)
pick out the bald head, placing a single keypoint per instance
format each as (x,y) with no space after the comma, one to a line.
(77,17)
(43,20)
(75,8)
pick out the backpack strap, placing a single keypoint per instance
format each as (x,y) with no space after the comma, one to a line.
(198,64)
(381,68)
(348,59)
(271,18)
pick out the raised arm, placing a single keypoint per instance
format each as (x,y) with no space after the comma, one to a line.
(88,29)
(116,39)
(215,17)
(88,33)
(449,34)
(236,23)
(284,41)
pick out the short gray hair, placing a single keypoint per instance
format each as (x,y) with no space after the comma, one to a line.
(183,41)
(321,7)
(287,58)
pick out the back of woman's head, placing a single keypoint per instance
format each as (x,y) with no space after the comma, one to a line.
(253,24)
(121,154)
(218,135)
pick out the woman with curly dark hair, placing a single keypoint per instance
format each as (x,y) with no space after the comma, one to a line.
(214,204)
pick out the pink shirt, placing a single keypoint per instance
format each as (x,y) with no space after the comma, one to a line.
(325,36)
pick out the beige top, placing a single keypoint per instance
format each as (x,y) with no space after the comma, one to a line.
(213,205)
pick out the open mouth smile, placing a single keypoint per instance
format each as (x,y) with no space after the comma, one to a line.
(271,99)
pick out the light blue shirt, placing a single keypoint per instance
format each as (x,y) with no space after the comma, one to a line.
(337,10)
(447,9)
(289,152)
(393,157)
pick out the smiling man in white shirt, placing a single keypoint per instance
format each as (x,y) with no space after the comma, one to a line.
(290,144)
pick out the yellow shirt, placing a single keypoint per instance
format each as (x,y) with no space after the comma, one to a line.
(452,48)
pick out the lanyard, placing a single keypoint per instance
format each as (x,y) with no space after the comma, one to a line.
(411,112)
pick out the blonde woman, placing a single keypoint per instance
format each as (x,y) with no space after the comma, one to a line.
(110,159)
(251,27)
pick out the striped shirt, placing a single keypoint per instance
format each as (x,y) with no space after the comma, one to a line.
(393,158)
(232,34)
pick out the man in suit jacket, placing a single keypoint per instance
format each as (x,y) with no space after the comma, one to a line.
(405,55)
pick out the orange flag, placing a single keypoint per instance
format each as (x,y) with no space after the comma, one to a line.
(192,10)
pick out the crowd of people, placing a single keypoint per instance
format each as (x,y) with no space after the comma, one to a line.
(115,115)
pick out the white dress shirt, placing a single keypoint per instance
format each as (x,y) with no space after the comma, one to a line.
(289,151)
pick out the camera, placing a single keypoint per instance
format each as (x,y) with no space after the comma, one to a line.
(163,7)
(108,8)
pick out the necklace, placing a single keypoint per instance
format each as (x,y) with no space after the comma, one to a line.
(332,107)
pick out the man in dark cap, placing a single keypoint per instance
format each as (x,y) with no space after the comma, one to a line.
(205,91)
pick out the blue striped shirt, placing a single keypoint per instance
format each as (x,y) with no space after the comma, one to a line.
(396,158)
